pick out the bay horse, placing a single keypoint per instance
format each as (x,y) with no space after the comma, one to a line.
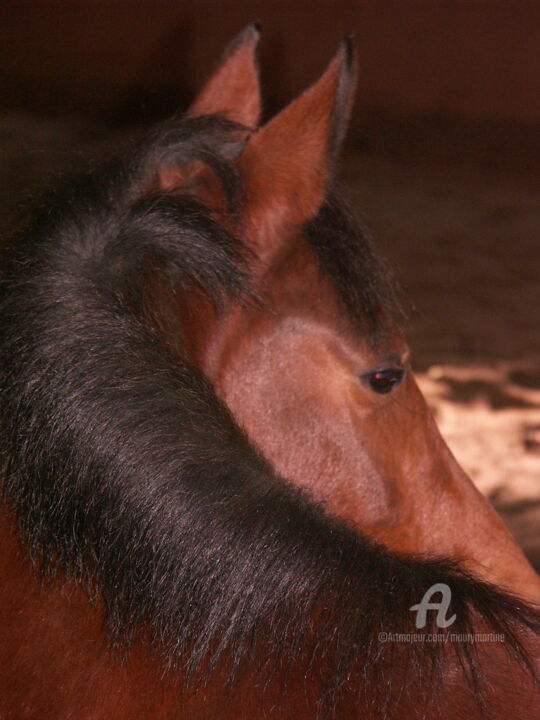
(223,492)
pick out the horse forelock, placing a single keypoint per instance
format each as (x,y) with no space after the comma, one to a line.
(362,280)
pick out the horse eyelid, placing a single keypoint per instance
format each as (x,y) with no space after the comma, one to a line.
(384,380)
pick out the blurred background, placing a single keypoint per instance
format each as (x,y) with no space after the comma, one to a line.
(442,161)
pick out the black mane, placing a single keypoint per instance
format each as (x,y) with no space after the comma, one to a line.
(125,470)
(345,251)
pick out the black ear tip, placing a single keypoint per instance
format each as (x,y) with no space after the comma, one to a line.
(251,32)
(248,36)
(347,49)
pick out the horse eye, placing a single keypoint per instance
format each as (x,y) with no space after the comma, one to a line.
(384,381)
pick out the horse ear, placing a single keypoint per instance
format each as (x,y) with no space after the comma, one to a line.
(288,163)
(234,90)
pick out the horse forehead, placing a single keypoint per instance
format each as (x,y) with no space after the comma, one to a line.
(301,307)
(301,284)
(313,344)
(298,287)
(302,302)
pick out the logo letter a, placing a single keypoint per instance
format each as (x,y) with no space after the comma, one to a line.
(441,607)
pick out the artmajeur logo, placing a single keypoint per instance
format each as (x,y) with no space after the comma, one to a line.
(441,606)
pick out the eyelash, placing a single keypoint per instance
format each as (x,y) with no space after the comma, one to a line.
(384,381)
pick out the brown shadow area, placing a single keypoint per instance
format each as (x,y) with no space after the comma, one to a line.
(471,391)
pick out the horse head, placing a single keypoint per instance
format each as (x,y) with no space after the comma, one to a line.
(318,372)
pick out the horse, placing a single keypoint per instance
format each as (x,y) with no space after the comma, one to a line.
(223,494)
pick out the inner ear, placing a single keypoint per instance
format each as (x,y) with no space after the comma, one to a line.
(205,167)
(196,179)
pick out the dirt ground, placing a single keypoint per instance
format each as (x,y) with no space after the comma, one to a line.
(464,241)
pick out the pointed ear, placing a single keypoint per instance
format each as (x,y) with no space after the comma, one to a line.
(288,163)
(233,90)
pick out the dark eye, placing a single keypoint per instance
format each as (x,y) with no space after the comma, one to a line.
(384,381)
